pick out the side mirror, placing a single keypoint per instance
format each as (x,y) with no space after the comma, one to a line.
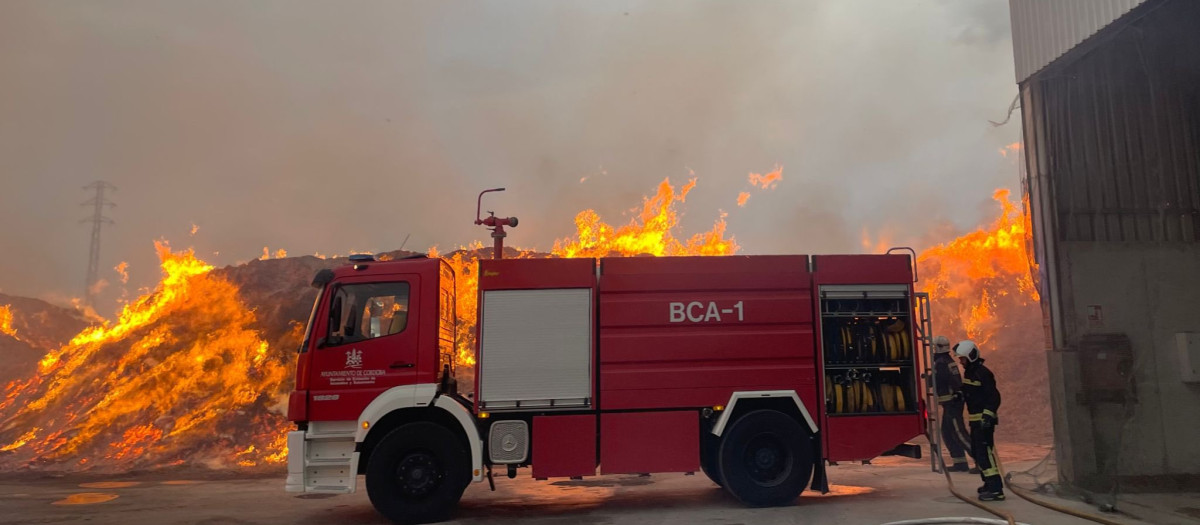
(322,278)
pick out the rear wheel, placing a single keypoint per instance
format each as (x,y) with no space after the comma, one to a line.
(765,458)
(417,473)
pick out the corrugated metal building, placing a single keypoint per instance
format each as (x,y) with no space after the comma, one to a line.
(1110,95)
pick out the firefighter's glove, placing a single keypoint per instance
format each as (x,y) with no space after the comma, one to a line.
(958,396)
(988,421)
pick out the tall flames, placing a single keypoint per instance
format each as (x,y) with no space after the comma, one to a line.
(977,280)
(650,233)
(6,321)
(982,287)
(181,374)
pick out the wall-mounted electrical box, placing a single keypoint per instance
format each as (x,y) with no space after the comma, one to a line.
(1189,356)
(1106,367)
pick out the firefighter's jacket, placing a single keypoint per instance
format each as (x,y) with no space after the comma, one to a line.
(946,380)
(979,388)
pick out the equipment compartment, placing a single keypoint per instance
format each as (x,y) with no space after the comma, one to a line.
(868,350)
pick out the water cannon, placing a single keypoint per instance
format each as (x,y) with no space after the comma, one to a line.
(495,224)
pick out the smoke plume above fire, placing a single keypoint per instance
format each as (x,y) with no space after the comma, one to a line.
(351,128)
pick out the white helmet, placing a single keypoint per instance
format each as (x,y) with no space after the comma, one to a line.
(941,345)
(966,348)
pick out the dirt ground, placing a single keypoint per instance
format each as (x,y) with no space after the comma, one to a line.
(889,489)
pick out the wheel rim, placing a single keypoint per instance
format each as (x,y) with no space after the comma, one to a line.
(419,474)
(768,461)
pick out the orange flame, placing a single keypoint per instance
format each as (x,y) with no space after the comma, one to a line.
(973,279)
(266,255)
(650,233)
(767,181)
(1013,148)
(123,270)
(25,438)
(742,198)
(466,283)
(6,320)
(876,246)
(180,371)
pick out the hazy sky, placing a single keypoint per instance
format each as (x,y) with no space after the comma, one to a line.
(339,126)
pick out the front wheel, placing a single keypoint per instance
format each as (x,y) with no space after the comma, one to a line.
(710,446)
(765,458)
(417,473)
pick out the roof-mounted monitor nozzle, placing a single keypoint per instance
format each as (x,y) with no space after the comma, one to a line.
(495,224)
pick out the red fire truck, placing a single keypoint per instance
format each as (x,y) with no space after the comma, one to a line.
(756,370)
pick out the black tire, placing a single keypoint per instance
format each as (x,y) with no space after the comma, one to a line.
(765,458)
(417,473)
(710,446)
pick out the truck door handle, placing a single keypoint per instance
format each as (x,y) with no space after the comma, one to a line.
(400,364)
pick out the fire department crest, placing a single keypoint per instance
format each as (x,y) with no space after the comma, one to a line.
(354,358)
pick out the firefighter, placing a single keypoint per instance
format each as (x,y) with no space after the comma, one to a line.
(983,402)
(947,382)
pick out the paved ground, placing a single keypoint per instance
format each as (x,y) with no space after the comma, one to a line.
(889,490)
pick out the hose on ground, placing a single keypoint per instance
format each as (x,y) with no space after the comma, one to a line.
(950,484)
(952,521)
(1025,495)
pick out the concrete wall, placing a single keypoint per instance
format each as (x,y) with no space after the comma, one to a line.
(1148,293)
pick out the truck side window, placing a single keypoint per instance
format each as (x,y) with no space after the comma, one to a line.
(367,311)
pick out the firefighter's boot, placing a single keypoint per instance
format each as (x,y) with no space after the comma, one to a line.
(991,496)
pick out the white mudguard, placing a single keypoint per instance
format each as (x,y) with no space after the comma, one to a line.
(409,396)
(723,419)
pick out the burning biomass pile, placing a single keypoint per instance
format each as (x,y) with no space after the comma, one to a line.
(28,329)
(186,362)
(196,372)
(982,288)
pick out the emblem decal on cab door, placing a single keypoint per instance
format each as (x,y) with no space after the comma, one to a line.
(354,358)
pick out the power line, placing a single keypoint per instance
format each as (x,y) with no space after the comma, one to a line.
(98,202)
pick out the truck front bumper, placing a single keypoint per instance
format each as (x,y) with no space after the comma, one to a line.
(322,460)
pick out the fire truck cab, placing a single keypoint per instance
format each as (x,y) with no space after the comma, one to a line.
(756,370)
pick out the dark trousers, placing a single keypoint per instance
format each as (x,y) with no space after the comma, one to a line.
(954,432)
(983,449)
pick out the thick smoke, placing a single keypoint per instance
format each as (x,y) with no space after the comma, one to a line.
(327,127)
